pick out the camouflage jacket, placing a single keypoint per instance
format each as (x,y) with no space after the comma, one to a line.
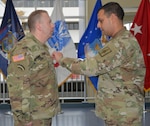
(31,80)
(121,70)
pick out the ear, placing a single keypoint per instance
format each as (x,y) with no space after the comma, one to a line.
(113,18)
(38,26)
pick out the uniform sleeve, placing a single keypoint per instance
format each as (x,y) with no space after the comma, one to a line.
(19,63)
(111,56)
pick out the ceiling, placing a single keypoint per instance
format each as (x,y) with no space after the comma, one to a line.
(130,7)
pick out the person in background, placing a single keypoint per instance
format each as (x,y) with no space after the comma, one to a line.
(120,67)
(31,80)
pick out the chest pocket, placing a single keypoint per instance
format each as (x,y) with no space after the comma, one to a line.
(40,61)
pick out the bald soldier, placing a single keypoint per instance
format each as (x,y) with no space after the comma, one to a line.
(120,67)
(31,79)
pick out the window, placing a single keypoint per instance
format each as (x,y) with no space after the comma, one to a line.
(73,25)
(70,3)
(72,12)
(44,3)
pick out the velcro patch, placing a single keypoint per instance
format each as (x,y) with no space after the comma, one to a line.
(17,58)
(105,51)
(21,67)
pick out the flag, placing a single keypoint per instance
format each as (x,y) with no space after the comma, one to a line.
(11,31)
(3,63)
(141,30)
(90,42)
(61,41)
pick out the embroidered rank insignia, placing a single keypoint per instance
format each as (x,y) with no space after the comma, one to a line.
(105,51)
(17,58)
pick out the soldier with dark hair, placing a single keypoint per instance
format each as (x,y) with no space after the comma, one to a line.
(120,67)
(31,80)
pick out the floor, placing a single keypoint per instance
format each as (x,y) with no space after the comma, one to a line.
(71,115)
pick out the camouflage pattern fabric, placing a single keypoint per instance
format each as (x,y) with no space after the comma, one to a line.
(121,70)
(45,122)
(31,80)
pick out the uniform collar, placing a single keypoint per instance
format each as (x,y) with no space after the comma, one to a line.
(119,33)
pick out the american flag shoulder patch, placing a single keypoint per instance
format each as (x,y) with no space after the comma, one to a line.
(17,58)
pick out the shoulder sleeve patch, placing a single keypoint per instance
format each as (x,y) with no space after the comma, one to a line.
(17,58)
(21,67)
(105,51)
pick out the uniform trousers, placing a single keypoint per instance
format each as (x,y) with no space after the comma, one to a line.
(38,122)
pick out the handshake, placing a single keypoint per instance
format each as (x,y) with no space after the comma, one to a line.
(57,56)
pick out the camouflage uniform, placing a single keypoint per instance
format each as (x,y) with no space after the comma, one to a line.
(32,83)
(121,70)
